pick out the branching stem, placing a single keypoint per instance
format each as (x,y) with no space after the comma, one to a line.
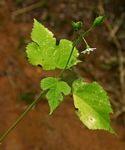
(13,126)
(75,43)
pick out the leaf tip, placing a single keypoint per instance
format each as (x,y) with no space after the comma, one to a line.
(112,131)
(50,113)
(34,20)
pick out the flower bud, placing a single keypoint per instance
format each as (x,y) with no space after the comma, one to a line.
(76,25)
(98,21)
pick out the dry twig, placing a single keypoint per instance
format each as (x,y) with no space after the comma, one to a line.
(115,40)
(28,8)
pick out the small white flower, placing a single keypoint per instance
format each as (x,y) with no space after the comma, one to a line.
(88,50)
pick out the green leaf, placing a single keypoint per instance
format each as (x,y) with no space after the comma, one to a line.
(55,89)
(92,104)
(44,51)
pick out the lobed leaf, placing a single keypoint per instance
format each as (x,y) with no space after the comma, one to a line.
(55,89)
(44,51)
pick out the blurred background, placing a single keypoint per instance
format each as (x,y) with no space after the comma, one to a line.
(19,81)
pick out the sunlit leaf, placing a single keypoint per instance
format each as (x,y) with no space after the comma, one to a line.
(55,89)
(92,104)
(44,51)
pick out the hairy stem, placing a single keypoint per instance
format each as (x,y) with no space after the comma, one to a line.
(21,117)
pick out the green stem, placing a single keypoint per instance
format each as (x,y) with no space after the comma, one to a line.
(67,60)
(75,43)
(87,46)
(21,117)
(82,35)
